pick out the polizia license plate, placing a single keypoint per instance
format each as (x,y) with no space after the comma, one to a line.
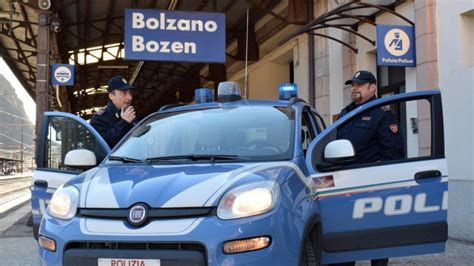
(128,262)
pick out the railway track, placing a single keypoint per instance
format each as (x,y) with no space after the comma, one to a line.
(10,180)
(14,184)
(14,191)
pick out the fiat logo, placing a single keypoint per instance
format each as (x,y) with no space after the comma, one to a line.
(137,215)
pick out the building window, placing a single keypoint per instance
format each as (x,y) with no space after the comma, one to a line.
(390,81)
(467,38)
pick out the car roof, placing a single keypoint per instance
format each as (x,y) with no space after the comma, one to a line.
(200,106)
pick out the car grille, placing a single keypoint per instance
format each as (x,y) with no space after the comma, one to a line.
(133,245)
(153,213)
(170,254)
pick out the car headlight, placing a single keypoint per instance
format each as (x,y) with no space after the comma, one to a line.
(249,200)
(63,204)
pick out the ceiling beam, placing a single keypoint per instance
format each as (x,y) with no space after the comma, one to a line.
(264,7)
(28,25)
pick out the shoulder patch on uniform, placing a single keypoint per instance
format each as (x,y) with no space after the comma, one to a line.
(394,128)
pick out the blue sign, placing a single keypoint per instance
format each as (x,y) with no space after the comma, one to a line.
(396,46)
(62,75)
(164,35)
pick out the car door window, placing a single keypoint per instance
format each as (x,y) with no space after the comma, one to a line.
(379,136)
(308,132)
(63,135)
(319,121)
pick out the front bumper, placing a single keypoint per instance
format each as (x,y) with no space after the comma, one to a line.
(190,241)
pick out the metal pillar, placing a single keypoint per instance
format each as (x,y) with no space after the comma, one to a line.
(61,91)
(42,74)
(311,63)
(21,149)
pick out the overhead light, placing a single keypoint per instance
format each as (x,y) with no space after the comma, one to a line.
(56,24)
(113,67)
(44,4)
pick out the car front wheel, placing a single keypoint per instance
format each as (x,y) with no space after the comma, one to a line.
(312,248)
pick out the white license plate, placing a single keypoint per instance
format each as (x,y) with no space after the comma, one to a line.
(128,262)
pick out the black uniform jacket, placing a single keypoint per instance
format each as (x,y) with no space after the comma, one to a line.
(110,125)
(375,135)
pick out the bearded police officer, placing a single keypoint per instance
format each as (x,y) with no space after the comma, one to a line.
(375,134)
(117,118)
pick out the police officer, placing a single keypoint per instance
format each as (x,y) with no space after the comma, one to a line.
(116,119)
(375,135)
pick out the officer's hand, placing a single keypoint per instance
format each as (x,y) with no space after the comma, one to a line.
(128,115)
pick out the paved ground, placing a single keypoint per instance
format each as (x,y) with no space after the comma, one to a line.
(18,247)
(457,253)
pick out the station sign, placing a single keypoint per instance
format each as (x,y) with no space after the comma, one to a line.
(163,35)
(396,46)
(62,74)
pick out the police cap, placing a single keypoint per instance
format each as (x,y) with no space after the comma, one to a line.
(119,83)
(362,77)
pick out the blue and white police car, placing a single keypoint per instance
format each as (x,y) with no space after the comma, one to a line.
(237,182)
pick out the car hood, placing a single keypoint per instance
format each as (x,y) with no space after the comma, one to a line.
(172,186)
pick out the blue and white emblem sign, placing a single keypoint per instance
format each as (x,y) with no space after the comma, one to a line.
(62,75)
(396,46)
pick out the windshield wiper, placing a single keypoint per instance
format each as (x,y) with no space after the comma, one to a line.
(124,159)
(196,157)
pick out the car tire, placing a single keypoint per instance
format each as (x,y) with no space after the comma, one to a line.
(379,262)
(312,248)
(36,231)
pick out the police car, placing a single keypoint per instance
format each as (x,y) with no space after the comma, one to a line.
(237,182)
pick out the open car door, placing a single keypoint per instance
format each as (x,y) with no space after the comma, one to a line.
(388,208)
(59,134)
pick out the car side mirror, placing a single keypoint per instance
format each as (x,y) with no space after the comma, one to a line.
(338,151)
(80,158)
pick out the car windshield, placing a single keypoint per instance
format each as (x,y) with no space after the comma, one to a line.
(231,133)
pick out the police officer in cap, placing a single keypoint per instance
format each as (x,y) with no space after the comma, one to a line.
(116,119)
(375,134)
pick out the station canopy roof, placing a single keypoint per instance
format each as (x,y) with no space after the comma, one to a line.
(90,36)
